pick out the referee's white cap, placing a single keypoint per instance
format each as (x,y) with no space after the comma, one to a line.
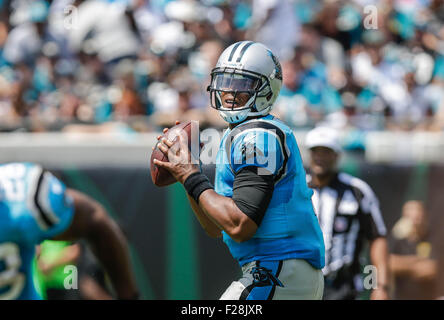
(323,137)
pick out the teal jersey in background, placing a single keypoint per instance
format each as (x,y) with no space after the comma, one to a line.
(34,206)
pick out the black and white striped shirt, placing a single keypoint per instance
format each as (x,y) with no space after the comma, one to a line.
(348,213)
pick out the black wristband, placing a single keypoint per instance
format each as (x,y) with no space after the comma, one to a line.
(197,183)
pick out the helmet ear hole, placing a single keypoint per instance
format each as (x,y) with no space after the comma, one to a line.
(269,96)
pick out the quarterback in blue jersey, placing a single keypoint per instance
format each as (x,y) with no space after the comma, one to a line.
(260,203)
(35,206)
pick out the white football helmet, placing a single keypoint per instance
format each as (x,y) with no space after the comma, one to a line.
(245,67)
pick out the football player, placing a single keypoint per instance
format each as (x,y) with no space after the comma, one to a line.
(260,203)
(34,206)
(350,217)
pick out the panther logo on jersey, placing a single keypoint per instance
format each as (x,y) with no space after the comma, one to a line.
(250,151)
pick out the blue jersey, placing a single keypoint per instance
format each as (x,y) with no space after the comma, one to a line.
(33,207)
(289,228)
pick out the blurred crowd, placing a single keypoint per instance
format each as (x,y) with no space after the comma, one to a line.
(362,65)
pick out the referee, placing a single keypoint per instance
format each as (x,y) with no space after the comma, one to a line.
(349,214)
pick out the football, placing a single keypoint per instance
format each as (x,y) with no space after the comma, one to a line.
(160,176)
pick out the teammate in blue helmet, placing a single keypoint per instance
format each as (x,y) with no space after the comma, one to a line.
(260,203)
(35,206)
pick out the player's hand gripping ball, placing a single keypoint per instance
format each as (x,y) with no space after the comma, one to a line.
(162,177)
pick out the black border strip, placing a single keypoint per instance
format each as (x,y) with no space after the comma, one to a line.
(43,214)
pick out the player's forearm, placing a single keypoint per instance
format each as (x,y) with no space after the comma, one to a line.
(92,223)
(401,265)
(110,247)
(91,290)
(207,224)
(380,259)
(224,213)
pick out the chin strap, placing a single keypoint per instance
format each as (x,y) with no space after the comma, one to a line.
(239,116)
(234,116)
(260,113)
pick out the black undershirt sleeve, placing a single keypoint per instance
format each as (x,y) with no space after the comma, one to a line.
(252,192)
(369,227)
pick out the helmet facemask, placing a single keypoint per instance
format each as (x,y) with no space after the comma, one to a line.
(230,87)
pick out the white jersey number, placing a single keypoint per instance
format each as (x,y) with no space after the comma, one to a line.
(12,183)
(11,277)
